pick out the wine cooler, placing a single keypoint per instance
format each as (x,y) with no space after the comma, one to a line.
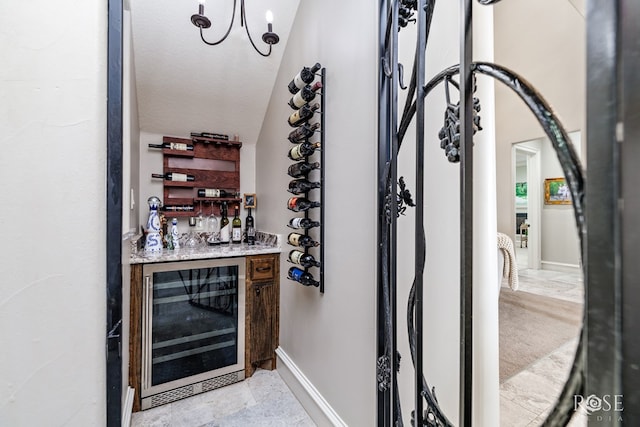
(192,328)
(307,187)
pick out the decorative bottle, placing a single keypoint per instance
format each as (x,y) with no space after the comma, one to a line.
(153,241)
(175,237)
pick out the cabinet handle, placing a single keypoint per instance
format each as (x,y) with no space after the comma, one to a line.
(263,269)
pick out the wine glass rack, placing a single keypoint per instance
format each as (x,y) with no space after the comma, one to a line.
(214,162)
(316,213)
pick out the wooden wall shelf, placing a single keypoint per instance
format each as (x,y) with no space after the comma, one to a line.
(214,163)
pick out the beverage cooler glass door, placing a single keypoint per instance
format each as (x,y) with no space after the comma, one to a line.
(193,322)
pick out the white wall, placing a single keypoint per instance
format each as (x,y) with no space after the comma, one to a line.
(53,138)
(544,41)
(331,337)
(560,243)
(131,133)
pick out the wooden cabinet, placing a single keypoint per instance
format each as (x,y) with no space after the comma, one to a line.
(262,312)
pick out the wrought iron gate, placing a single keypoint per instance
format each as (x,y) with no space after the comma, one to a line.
(610,351)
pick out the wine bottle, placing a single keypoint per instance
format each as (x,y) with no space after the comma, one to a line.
(303,223)
(301,277)
(305,260)
(209,135)
(298,186)
(297,239)
(174,176)
(213,192)
(299,169)
(173,146)
(305,76)
(303,132)
(302,150)
(177,208)
(302,115)
(224,224)
(298,204)
(304,95)
(250,229)
(236,231)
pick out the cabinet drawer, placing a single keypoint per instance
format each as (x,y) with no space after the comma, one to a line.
(262,268)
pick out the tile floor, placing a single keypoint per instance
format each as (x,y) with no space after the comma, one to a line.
(527,397)
(263,400)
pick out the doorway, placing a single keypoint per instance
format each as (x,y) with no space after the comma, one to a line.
(526,202)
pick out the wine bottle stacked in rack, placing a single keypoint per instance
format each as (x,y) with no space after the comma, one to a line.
(307,93)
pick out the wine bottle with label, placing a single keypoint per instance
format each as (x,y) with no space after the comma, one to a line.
(301,277)
(174,176)
(304,95)
(299,186)
(303,223)
(236,230)
(303,114)
(297,239)
(305,260)
(250,229)
(214,192)
(224,225)
(173,146)
(305,76)
(299,169)
(303,132)
(302,150)
(298,204)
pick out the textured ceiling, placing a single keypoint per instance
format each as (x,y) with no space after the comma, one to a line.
(184,85)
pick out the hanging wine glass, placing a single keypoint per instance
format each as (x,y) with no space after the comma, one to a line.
(213,228)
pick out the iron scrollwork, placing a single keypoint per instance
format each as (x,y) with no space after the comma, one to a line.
(449,136)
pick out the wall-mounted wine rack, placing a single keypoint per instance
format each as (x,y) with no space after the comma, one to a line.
(213,162)
(315,214)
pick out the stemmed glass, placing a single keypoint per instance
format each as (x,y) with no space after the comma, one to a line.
(213,227)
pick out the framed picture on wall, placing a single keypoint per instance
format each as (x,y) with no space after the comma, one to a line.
(556,192)
(250,200)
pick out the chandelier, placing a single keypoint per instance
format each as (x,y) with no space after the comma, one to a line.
(202,22)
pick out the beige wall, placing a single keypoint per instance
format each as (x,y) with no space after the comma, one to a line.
(544,41)
(331,337)
(52,286)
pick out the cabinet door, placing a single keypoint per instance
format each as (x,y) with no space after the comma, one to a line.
(263,321)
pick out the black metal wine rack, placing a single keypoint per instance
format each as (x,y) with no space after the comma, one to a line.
(314,212)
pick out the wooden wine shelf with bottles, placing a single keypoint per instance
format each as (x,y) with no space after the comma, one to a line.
(307,152)
(212,163)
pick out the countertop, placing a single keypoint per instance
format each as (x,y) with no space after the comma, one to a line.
(267,244)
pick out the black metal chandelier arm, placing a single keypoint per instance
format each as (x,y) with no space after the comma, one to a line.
(245,24)
(224,37)
(488,2)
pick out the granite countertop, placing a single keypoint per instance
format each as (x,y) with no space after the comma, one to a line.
(266,244)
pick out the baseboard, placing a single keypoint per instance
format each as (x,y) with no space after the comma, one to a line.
(127,407)
(559,266)
(316,406)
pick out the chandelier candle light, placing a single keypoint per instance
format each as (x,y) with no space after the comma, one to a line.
(201,21)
